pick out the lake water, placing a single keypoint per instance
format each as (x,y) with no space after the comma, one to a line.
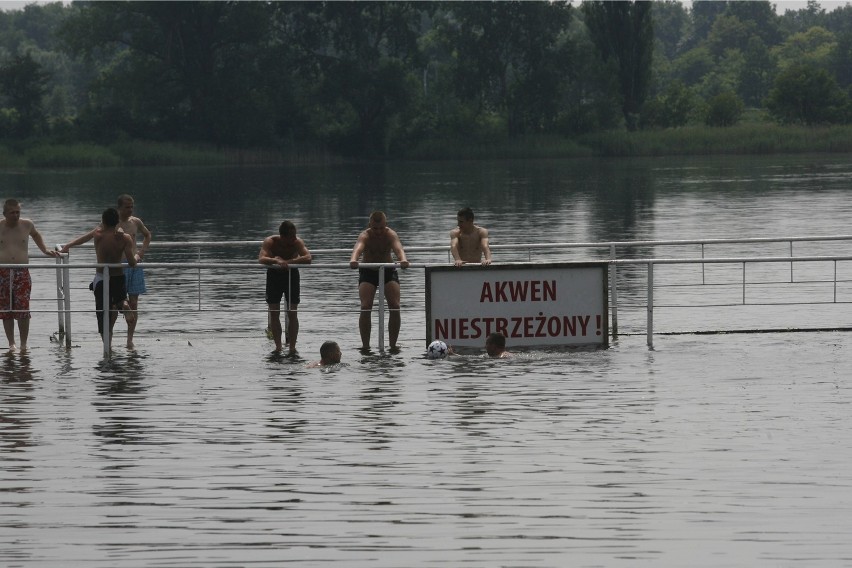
(201,448)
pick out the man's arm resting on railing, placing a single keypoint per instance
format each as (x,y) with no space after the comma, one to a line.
(79,240)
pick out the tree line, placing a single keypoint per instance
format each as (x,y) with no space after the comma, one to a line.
(379,79)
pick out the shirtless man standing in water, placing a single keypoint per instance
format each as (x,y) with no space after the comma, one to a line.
(134,276)
(469,242)
(111,244)
(376,243)
(278,252)
(15,234)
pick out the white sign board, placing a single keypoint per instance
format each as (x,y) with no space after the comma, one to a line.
(531,304)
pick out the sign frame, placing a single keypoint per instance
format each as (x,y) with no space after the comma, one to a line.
(595,286)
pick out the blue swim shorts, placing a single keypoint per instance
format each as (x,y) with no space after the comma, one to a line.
(135,279)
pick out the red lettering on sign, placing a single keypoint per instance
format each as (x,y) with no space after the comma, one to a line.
(516,327)
(550,290)
(518,291)
(486,295)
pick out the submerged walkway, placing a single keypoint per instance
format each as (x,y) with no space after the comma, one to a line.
(767,275)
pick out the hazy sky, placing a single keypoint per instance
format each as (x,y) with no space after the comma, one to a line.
(827,5)
(784,5)
(18,4)
(8,5)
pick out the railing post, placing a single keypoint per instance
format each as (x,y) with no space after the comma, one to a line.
(791,262)
(381,308)
(59,295)
(613,291)
(107,310)
(66,285)
(199,281)
(285,326)
(651,305)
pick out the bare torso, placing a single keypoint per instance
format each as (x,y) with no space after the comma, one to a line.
(277,246)
(378,245)
(470,243)
(14,241)
(131,227)
(375,245)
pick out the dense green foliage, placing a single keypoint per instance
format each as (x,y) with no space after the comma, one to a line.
(409,79)
(622,32)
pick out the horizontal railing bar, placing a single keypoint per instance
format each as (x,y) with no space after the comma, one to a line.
(252,265)
(723,260)
(752,330)
(756,283)
(413,309)
(621,261)
(191,309)
(740,304)
(409,309)
(437,248)
(676,242)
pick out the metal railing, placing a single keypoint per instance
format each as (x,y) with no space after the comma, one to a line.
(743,262)
(63,287)
(615,253)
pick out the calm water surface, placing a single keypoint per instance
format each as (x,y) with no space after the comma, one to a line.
(201,448)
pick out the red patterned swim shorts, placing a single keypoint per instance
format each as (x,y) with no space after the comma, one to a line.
(15,303)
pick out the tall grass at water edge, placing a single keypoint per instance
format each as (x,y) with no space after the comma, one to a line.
(528,147)
(139,153)
(744,139)
(749,139)
(70,156)
(81,155)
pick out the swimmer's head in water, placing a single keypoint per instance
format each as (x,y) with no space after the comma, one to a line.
(495,344)
(330,353)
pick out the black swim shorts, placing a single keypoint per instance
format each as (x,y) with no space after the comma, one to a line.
(117,295)
(371,276)
(282,282)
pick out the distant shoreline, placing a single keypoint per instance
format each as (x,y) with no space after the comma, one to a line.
(747,139)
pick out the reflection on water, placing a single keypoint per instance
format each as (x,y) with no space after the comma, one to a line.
(286,418)
(16,392)
(549,458)
(380,403)
(201,448)
(16,367)
(120,400)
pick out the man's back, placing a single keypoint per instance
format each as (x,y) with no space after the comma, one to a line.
(111,246)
